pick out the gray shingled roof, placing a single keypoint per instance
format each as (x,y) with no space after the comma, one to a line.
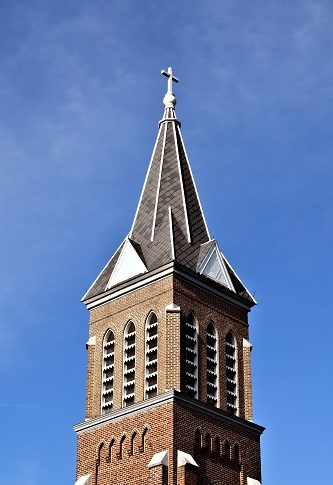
(169,224)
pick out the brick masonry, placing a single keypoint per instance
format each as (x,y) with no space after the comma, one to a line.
(118,451)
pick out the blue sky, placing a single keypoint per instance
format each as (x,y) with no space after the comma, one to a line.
(80,97)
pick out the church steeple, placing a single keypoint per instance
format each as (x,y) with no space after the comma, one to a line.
(169,226)
(169,223)
(169,393)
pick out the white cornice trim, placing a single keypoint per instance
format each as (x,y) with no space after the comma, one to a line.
(166,397)
(158,184)
(193,181)
(119,414)
(145,182)
(146,280)
(128,289)
(211,290)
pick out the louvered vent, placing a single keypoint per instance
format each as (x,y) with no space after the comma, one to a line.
(191,342)
(108,372)
(151,356)
(211,349)
(231,373)
(129,365)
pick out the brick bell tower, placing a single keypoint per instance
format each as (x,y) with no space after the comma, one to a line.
(169,375)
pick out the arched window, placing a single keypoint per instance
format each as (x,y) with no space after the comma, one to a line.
(211,369)
(191,349)
(129,365)
(231,373)
(108,372)
(151,356)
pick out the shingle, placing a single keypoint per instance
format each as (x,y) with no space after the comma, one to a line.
(170,183)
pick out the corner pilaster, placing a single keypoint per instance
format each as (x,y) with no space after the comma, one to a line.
(173,376)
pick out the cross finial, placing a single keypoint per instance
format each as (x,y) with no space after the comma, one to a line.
(170,77)
(169,99)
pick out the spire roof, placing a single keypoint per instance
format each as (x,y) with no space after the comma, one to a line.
(169,224)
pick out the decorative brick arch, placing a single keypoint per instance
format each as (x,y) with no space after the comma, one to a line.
(217,446)
(133,440)
(121,447)
(111,448)
(143,444)
(226,451)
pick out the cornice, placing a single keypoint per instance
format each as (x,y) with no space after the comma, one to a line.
(172,397)
(169,269)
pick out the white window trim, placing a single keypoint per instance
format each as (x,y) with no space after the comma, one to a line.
(103,404)
(196,360)
(147,352)
(216,373)
(236,370)
(127,335)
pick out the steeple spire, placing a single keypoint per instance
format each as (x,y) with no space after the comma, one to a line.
(169,226)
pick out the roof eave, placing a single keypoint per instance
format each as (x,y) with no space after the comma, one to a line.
(248,302)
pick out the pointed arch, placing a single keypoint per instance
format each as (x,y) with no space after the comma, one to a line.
(99,451)
(129,364)
(217,446)
(111,447)
(208,444)
(198,441)
(108,372)
(226,451)
(98,459)
(151,355)
(191,356)
(231,373)
(132,443)
(121,447)
(212,364)
(236,454)
(143,444)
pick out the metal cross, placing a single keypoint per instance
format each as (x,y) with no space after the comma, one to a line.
(170,77)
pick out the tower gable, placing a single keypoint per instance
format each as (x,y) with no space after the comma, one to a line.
(213,266)
(128,264)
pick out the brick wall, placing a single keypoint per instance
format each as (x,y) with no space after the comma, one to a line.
(214,466)
(119,450)
(155,297)
(134,306)
(127,462)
